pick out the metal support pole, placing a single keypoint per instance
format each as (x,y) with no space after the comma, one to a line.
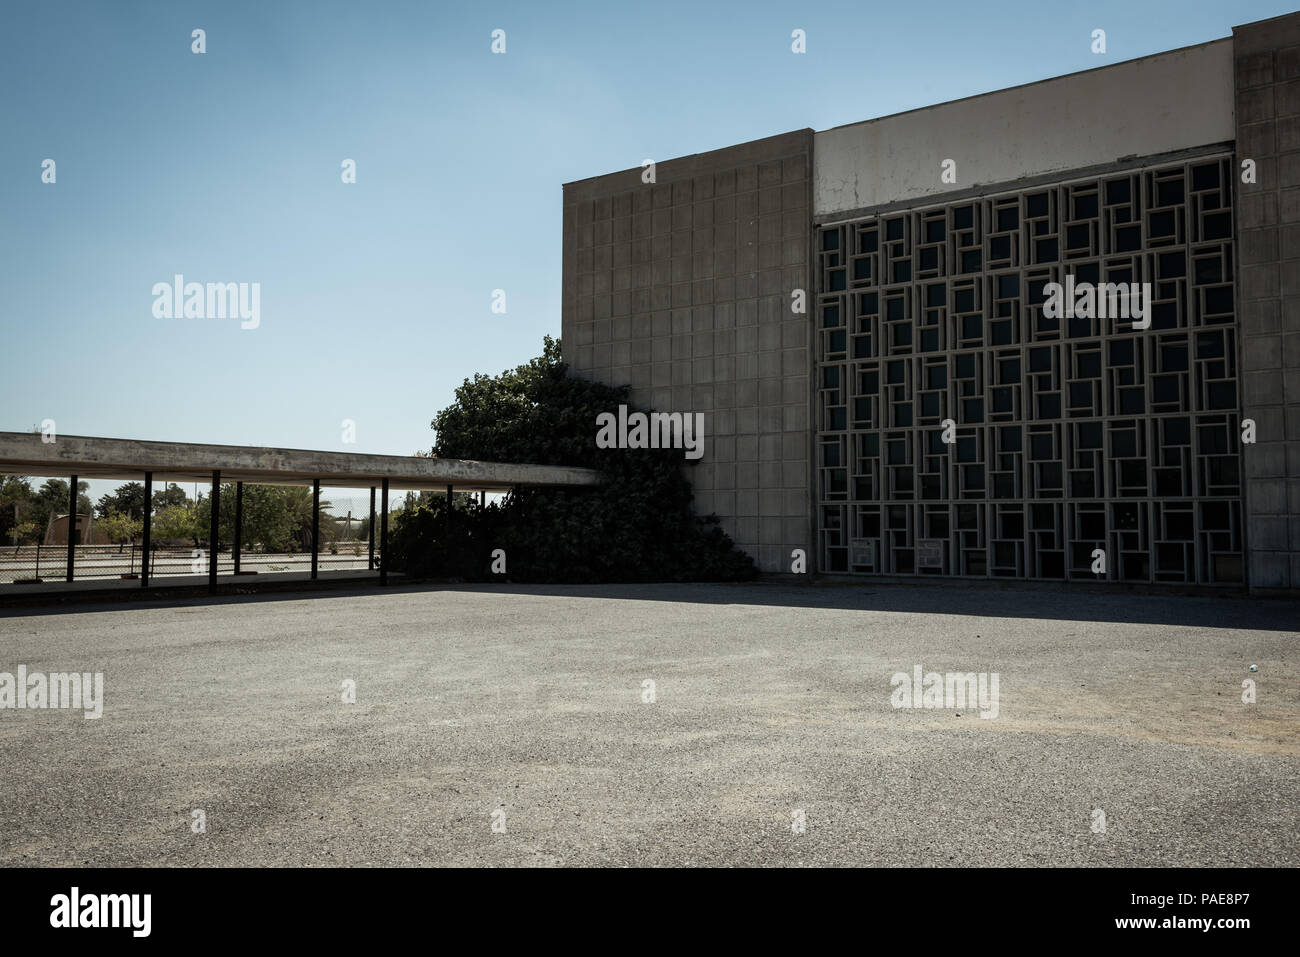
(239,522)
(383,537)
(215,530)
(148,528)
(315,524)
(72,527)
(482,498)
(448,531)
(371,536)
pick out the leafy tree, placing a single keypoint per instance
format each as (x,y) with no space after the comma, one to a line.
(636,526)
(268,523)
(15,488)
(268,519)
(127,499)
(121,528)
(52,499)
(276,518)
(298,504)
(55,490)
(169,495)
(24,533)
(16,500)
(174,522)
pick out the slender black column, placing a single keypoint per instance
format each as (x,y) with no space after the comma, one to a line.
(315,524)
(383,537)
(215,530)
(239,522)
(148,528)
(371,536)
(447,533)
(72,527)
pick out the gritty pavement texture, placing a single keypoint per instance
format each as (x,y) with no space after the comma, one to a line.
(769,698)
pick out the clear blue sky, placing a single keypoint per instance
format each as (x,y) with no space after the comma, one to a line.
(376,296)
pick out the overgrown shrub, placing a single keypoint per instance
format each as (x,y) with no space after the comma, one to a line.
(636,526)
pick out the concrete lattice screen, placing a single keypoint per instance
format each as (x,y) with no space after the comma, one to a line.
(1072,434)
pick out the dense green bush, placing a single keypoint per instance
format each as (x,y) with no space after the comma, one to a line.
(637,526)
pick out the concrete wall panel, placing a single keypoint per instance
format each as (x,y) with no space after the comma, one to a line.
(1159,104)
(681,290)
(1267,85)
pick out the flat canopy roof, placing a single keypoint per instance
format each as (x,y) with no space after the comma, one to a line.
(26,453)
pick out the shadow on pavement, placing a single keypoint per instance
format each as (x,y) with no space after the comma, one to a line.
(1005,601)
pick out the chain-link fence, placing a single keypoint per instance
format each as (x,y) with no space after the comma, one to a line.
(274,526)
(30,564)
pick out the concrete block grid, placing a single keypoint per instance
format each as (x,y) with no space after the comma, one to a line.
(1267,90)
(1070,434)
(681,289)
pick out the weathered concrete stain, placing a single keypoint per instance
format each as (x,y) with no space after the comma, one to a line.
(91,457)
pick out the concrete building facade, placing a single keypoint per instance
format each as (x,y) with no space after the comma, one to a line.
(862,315)
(681,289)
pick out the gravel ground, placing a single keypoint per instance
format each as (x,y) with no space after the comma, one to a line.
(769,698)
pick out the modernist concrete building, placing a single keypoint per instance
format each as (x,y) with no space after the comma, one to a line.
(925,309)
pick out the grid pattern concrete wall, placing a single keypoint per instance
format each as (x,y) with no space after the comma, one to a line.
(1069,435)
(681,289)
(1267,81)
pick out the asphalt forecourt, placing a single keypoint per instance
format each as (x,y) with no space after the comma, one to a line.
(655,725)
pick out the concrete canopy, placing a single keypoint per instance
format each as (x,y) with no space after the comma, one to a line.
(25,453)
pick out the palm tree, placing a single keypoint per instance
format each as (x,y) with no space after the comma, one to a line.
(297,502)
